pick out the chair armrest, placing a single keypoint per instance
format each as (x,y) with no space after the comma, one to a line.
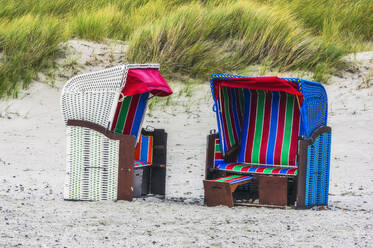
(210,149)
(307,156)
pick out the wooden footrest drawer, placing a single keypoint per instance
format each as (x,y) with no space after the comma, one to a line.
(219,191)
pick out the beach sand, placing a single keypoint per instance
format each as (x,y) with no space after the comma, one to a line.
(32,169)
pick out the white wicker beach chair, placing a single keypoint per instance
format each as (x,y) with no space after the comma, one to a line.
(103,112)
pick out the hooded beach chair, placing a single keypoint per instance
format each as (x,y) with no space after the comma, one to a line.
(109,155)
(273,142)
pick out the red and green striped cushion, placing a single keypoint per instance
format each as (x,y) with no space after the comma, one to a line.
(270,129)
(129,115)
(138,163)
(233,179)
(253,169)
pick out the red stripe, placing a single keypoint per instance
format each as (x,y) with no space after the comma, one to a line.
(231,166)
(150,149)
(131,114)
(291,171)
(231,115)
(251,131)
(116,116)
(217,141)
(138,149)
(226,135)
(265,134)
(260,169)
(218,155)
(294,134)
(276,171)
(280,128)
(246,168)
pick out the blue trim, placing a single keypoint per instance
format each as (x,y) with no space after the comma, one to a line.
(144,148)
(140,111)
(246,119)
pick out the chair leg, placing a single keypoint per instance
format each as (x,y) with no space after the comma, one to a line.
(158,181)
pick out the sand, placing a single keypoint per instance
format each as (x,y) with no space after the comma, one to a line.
(32,168)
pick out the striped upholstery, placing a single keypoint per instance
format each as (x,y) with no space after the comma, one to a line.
(129,115)
(233,179)
(254,169)
(270,129)
(231,112)
(144,151)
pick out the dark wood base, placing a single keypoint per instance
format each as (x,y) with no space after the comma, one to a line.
(273,190)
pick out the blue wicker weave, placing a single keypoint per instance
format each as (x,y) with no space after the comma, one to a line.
(314,114)
(317,174)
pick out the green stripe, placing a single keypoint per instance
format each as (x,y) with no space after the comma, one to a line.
(123,114)
(228,117)
(227,178)
(258,126)
(217,148)
(238,167)
(268,170)
(288,128)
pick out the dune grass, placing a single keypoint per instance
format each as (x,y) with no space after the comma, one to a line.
(28,43)
(192,38)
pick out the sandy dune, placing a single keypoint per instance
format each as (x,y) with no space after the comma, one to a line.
(32,169)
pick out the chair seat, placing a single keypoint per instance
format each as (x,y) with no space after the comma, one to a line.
(255,169)
(139,163)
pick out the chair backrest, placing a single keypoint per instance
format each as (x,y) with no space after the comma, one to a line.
(144,149)
(94,96)
(129,115)
(91,96)
(270,128)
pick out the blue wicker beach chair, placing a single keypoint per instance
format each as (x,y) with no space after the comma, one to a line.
(109,155)
(273,133)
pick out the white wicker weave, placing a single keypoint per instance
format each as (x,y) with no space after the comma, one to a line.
(92,165)
(94,96)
